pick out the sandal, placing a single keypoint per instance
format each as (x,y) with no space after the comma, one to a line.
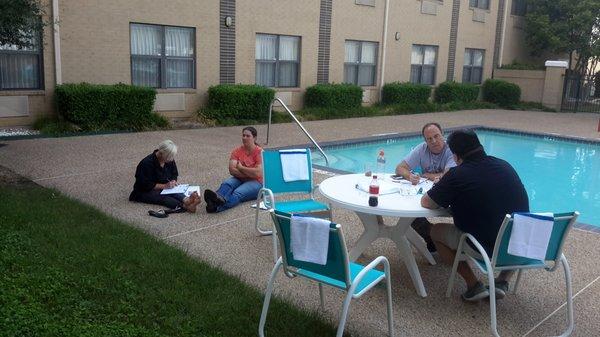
(177,209)
(158,214)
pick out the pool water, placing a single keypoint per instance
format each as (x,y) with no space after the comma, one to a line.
(559,175)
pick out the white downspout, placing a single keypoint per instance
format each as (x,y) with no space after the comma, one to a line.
(383,48)
(55,25)
(502,35)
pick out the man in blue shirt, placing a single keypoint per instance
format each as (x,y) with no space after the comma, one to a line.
(480,191)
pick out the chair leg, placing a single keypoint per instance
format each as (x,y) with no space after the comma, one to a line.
(321,297)
(274,240)
(256,224)
(345,309)
(492,290)
(389,301)
(453,273)
(269,292)
(569,291)
(518,281)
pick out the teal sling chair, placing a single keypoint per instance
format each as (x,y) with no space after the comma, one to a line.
(502,260)
(338,272)
(275,185)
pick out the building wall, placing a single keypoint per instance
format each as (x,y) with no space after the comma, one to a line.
(95,42)
(531,82)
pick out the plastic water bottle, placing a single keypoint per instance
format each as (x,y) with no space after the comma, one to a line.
(374,192)
(381,163)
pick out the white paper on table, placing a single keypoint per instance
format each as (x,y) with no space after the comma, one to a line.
(191,189)
(385,187)
(530,235)
(181,188)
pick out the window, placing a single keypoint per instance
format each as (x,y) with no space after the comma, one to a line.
(163,56)
(519,7)
(277,60)
(423,63)
(473,66)
(360,63)
(21,68)
(482,4)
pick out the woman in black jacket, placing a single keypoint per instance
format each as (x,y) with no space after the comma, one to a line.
(156,172)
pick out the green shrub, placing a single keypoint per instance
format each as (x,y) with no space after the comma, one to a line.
(522,66)
(398,93)
(234,104)
(456,92)
(330,113)
(95,107)
(54,127)
(503,93)
(336,96)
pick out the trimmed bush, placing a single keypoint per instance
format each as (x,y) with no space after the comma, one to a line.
(503,93)
(231,104)
(456,92)
(333,96)
(95,107)
(409,93)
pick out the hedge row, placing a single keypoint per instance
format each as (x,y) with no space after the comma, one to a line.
(343,96)
(456,92)
(240,102)
(500,92)
(400,93)
(108,107)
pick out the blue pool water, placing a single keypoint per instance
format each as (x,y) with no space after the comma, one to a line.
(559,175)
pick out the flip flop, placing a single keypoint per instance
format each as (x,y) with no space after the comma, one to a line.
(177,209)
(158,214)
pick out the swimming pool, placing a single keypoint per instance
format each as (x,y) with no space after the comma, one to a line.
(559,174)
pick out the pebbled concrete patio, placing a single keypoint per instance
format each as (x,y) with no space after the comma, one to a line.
(99,170)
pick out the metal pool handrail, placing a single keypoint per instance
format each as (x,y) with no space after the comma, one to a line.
(299,124)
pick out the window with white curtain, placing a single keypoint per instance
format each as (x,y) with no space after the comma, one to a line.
(162,56)
(360,62)
(277,60)
(423,62)
(473,66)
(21,67)
(482,4)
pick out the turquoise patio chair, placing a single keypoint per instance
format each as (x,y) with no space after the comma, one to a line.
(275,185)
(338,272)
(502,260)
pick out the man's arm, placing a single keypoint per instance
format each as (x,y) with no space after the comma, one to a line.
(427,202)
(403,170)
(434,176)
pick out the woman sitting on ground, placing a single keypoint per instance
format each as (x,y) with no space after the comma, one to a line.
(245,166)
(156,172)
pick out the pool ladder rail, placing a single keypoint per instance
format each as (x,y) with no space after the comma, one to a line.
(299,124)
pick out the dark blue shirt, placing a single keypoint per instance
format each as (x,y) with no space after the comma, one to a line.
(480,192)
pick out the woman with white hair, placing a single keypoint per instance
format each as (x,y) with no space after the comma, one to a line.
(156,172)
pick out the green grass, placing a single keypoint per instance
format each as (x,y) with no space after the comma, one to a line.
(69,270)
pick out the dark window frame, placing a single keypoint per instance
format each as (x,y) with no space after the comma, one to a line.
(480,4)
(279,62)
(360,64)
(163,58)
(40,68)
(423,65)
(519,7)
(470,66)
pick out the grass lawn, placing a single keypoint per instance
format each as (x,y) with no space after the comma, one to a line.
(69,270)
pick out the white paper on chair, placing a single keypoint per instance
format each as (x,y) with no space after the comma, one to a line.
(309,239)
(294,165)
(530,235)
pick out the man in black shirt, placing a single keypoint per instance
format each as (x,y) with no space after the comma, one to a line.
(480,191)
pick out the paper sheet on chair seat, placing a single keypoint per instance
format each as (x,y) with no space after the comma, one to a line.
(530,235)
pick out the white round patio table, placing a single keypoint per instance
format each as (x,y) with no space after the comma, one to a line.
(342,191)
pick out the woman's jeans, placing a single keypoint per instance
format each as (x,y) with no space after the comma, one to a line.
(235,191)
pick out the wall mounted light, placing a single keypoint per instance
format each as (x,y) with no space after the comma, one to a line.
(228,21)
(397,36)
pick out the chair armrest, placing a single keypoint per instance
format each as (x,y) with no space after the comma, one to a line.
(267,196)
(477,245)
(377,261)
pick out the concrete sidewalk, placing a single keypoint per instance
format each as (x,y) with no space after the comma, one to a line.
(99,170)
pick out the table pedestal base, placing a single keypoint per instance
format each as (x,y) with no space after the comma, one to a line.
(403,236)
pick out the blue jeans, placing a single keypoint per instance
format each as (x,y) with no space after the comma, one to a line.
(235,191)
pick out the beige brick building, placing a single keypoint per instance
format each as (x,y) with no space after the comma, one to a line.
(182,47)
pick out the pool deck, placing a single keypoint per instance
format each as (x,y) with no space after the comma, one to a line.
(99,170)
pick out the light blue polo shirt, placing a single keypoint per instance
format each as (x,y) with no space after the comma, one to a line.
(429,162)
